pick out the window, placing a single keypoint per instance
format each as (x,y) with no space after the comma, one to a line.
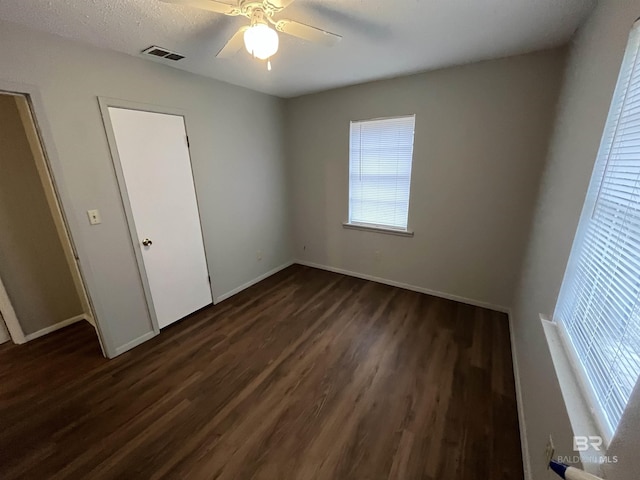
(598,308)
(380,157)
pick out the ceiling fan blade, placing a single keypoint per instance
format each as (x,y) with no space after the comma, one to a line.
(234,44)
(211,5)
(307,32)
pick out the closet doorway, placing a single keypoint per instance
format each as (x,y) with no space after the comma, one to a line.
(41,286)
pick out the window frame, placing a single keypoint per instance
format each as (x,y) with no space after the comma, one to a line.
(598,176)
(378,227)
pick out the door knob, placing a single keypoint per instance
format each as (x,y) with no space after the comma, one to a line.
(146,242)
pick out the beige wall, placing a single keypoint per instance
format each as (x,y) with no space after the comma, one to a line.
(237,154)
(33,267)
(594,62)
(481,137)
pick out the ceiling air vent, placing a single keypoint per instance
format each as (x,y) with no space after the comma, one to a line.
(160,52)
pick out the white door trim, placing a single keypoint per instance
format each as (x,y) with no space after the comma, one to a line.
(105,103)
(4,331)
(10,318)
(70,221)
(28,123)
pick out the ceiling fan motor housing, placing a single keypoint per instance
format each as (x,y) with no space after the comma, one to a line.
(249,8)
(258,16)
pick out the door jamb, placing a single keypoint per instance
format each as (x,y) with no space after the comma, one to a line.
(9,316)
(105,103)
(37,151)
(31,94)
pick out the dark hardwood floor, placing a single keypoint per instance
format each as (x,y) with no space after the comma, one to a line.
(307,375)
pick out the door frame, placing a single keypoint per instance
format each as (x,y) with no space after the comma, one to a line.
(47,163)
(105,103)
(9,316)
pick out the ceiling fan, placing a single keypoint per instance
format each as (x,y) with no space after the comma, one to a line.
(260,37)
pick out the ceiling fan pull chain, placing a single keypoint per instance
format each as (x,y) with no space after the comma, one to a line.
(269,64)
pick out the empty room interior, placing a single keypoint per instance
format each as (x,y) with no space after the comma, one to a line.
(371,240)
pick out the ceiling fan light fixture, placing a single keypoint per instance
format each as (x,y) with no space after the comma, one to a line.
(261,41)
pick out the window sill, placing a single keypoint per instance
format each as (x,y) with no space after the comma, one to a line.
(373,228)
(582,417)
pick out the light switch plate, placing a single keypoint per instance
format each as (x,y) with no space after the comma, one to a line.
(94,217)
(549,451)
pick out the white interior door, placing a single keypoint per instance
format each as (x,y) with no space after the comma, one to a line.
(156,166)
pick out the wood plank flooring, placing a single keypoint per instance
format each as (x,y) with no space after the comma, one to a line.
(307,375)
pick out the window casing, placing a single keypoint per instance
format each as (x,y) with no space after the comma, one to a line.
(598,308)
(380,161)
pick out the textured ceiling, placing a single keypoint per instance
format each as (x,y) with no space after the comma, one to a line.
(382,38)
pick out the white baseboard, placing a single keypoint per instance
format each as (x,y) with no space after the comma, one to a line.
(250,283)
(91,320)
(524,444)
(53,328)
(406,286)
(134,343)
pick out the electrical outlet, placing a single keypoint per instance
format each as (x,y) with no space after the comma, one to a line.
(549,451)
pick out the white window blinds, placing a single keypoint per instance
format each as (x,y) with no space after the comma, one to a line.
(380,156)
(599,304)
